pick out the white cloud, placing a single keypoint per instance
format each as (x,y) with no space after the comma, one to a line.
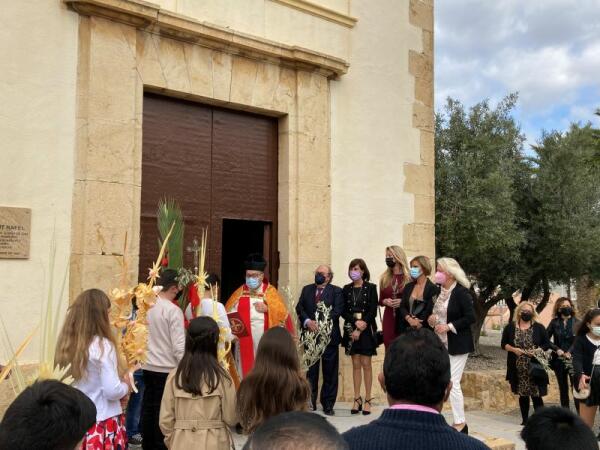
(547,50)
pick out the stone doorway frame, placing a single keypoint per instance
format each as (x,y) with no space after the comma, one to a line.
(127,47)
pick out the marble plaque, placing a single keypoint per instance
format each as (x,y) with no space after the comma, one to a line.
(15,232)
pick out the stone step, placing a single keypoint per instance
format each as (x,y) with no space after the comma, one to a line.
(471,404)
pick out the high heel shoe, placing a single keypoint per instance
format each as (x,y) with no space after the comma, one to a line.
(367,400)
(358,401)
(465,429)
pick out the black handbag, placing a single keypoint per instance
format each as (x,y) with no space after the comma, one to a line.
(537,372)
(379,333)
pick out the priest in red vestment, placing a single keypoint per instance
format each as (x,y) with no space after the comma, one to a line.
(260,307)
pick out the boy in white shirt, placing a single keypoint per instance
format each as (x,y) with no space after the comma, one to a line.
(166,344)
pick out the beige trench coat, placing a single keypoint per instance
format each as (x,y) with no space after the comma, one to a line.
(198,422)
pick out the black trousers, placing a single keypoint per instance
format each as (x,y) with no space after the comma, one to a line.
(564,379)
(330,363)
(154,386)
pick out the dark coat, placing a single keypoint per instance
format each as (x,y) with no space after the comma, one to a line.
(461,315)
(409,430)
(420,311)
(583,356)
(331,296)
(540,339)
(366,304)
(555,334)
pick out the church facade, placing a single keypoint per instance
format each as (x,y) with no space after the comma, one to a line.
(305,127)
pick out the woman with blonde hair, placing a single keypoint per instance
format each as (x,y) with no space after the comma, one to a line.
(391,287)
(87,346)
(520,338)
(417,301)
(452,317)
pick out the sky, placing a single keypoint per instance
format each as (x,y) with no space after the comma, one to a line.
(546,50)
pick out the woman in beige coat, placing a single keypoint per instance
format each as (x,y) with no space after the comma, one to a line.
(198,404)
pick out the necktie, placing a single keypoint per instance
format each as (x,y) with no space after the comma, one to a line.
(318,296)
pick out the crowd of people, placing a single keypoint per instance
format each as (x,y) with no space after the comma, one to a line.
(186,398)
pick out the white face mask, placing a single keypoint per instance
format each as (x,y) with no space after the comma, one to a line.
(596,331)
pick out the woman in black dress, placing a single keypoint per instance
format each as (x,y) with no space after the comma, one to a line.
(562,330)
(360,328)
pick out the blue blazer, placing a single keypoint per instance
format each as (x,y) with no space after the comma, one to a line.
(307,306)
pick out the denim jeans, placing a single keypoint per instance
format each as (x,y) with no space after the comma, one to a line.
(134,408)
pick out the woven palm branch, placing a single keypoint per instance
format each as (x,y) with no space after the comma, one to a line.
(169,213)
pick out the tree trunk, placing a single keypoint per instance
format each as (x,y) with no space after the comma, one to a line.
(530,287)
(481,311)
(587,294)
(510,303)
(545,297)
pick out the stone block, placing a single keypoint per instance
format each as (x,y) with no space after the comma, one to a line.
(424,91)
(221,75)
(427,146)
(199,68)
(108,210)
(420,65)
(284,98)
(314,228)
(423,117)
(110,151)
(421,14)
(148,61)
(267,82)
(243,80)
(424,208)
(172,59)
(419,179)
(112,74)
(419,239)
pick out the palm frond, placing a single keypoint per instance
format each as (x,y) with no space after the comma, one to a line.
(169,214)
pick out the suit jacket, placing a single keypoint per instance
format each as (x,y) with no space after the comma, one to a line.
(307,306)
(422,311)
(461,315)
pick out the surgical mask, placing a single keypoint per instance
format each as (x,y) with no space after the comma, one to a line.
(526,316)
(319,278)
(596,331)
(252,282)
(390,262)
(355,275)
(440,278)
(566,311)
(415,272)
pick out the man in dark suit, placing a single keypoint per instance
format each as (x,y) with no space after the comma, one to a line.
(323,291)
(416,379)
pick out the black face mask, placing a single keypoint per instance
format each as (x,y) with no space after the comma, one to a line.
(526,316)
(390,262)
(319,278)
(566,311)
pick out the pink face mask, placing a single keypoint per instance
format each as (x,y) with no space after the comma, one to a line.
(355,275)
(440,278)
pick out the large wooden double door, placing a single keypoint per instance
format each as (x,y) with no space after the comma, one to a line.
(221,167)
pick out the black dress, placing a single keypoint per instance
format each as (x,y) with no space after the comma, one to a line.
(360,304)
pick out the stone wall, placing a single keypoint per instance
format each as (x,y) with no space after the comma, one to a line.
(494,392)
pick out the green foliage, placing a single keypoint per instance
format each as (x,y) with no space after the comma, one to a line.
(169,212)
(477,167)
(515,221)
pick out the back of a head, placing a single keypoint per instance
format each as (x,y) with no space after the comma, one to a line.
(416,368)
(167,279)
(557,428)
(275,384)
(277,349)
(48,415)
(296,430)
